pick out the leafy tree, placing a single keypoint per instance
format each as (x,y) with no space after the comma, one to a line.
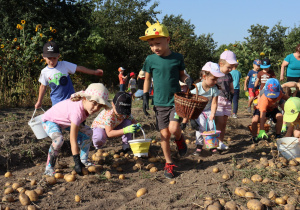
(292,40)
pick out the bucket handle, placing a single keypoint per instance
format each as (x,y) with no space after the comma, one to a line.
(34,113)
(213,123)
(133,135)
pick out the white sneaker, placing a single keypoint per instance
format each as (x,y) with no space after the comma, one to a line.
(87,163)
(222,146)
(234,116)
(49,172)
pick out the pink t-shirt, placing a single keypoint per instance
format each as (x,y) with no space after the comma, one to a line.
(108,117)
(65,112)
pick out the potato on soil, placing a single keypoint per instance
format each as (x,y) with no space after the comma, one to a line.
(8,198)
(33,196)
(249,195)
(292,200)
(77,198)
(39,191)
(280,201)
(172,182)
(213,207)
(16,185)
(222,201)
(152,160)
(51,180)
(256,178)
(94,169)
(58,175)
(149,166)
(267,202)
(122,176)
(33,182)
(8,190)
(24,199)
(32,207)
(246,181)
(141,192)
(216,169)
(70,177)
(153,170)
(7,184)
(272,195)
(289,207)
(226,176)
(230,205)
(8,174)
(266,180)
(108,175)
(255,205)
(293,162)
(239,191)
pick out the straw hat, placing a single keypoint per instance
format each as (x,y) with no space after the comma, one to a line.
(95,92)
(142,73)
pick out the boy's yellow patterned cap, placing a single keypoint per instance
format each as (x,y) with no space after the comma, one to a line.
(154,31)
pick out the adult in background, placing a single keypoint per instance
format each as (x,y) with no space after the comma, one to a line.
(292,62)
(140,84)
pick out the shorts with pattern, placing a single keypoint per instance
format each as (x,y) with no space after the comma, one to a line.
(224,107)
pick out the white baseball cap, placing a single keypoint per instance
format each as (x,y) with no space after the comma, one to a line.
(213,68)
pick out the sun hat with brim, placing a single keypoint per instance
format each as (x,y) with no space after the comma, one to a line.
(154,31)
(95,92)
(121,69)
(272,88)
(142,73)
(229,56)
(265,63)
(291,109)
(213,68)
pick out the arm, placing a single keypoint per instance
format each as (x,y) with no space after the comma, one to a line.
(256,82)
(82,69)
(113,133)
(182,76)
(290,85)
(231,88)
(147,82)
(245,83)
(42,92)
(283,65)
(73,139)
(290,130)
(214,105)
(262,120)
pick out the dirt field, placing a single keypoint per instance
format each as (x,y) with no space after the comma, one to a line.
(195,183)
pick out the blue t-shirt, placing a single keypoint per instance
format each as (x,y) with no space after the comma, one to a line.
(293,69)
(59,80)
(212,92)
(236,76)
(252,78)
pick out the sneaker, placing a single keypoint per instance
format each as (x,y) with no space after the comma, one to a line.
(181,146)
(234,116)
(168,170)
(222,146)
(49,172)
(249,109)
(254,139)
(87,163)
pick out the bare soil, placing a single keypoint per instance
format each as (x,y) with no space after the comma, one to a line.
(25,156)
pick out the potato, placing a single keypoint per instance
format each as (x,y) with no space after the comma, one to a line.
(208,198)
(172,182)
(249,160)
(16,185)
(280,201)
(213,207)
(267,202)
(70,177)
(263,159)
(289,207)
(239,191)
(255,205)
(260,166)
(105,154)
(297,159)
(51,180)
(246,181)
(24,199)
(141,192)
(256,178)
(239,166)
(33,182)
(32,207)
(8,198)
(92,169)
(8,190)
(207,203)
(30,173)
(264,153)
(8,174)
(149,166)
(285,197)
(39,191)
(272,195)
(21,190)
(294,168)
(116,156)
(33,196)
(225,176)
(293,163)
(153,160)
(230,205)
(153,169)
(222,201)
(108,175)
(77,198)
(297,191)
(216,170)
(58,175)
(292,200)
(249,195)
(7,184)
(122,176)
(266,180)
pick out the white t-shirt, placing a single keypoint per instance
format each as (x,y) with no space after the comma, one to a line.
(212,92)
(59,80)
(132,83)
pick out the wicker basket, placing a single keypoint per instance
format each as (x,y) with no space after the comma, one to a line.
(189,105)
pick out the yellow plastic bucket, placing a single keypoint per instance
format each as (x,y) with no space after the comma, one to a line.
(140,147)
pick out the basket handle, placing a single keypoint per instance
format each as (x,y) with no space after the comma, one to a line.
(34,113)
(196,91)
(213,123)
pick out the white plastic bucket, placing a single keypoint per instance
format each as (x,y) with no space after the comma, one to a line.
(37,127)
(289,147)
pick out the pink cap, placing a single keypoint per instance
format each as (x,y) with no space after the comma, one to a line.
(213,68)
(229,56)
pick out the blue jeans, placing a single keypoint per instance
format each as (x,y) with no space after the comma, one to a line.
(122,87)
(235,100)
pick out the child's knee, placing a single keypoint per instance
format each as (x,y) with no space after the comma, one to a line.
(99,137)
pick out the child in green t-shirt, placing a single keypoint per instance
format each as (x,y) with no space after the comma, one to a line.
(166,68)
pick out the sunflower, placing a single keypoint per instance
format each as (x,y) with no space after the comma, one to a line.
(262,54)
(53,31)
(15,39)
(18,26)
(21,28)
(50,39)
(2,46)
(50,28)
(38,26)
(41,35)
(23,22)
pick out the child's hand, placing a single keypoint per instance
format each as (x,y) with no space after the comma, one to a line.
(138,127)
(38,105)
(130,129)
(78,164)
(211,117)
(99,72)
(262,134)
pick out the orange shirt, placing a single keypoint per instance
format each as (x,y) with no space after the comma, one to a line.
(121,80)
(266,104)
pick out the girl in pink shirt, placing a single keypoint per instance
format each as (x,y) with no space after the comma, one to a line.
(69,114)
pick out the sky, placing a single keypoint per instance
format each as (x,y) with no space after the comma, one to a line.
(229,20)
